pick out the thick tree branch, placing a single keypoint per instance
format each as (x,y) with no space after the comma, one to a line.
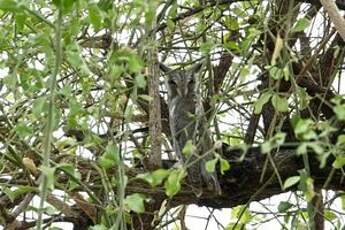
(241,183)
(338,21)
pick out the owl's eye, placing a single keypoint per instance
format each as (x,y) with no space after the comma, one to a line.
(172,82)
(191,81)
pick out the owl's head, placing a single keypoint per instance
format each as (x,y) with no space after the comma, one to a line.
(180,82)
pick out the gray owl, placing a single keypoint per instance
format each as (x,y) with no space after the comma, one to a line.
(187,122)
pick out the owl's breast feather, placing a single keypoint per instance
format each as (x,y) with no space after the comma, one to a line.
(181,112)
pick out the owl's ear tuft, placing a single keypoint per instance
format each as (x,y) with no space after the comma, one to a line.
(197,67)
(164,68)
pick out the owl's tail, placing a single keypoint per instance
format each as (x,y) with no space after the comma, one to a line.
(198,176)
(210,179)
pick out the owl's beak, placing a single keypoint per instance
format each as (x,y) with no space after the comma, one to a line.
(186,91)
(182,92)
(179,92)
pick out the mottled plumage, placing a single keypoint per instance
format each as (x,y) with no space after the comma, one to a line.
(188,123)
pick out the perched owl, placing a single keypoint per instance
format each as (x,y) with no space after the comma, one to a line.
(187,122)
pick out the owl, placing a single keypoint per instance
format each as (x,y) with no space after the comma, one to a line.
(188,123)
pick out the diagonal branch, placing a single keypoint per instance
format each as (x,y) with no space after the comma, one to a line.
(333,12)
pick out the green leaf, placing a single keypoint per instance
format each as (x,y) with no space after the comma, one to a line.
(329,215)
(339,111)
(23,130)
(303,126)
(244,72)
(105,5)
(99,227)
(306,185)
(20,21)
(266,147)
(171,25)
(291,181)
(263,99)
(64,5)
(300,25)
(280,103)
(286,72)
(231,45)
(150,12)
(155,178)
(159,175)
(39,106)
(239,11)
(304,129)
(57,3)
(73,55)
(302,149)
(49,210)
(116,71)
(309,189)
(242,213)
(9,5)
(189,148)
(276,73)
(146,177)
(275,141)
(341,140)
(284,206)
(231,23)
(303,98)
(68,168)
(140,81)
(95,16)
(206,47)
(11,81)
(211,165)
(316,147)
(18,191)
(135,63)
(75,107)
(111,157)
(9,193)
(279,138)
(171,15)
(48,172)
(173,10)
(337,100)
(339,162)
(173,184)
(224,166)
(135,202)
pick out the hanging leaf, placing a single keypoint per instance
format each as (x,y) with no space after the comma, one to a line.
(300,25)
(155,178)
(173,184)
(135,202)
(111,157)
(189,148)
(291,181)
(263,99)
(280,103)
(95,16)
(224,166)
(284,206)
(211,165)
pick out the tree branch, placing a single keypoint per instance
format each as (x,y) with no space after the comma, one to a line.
(338,21)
